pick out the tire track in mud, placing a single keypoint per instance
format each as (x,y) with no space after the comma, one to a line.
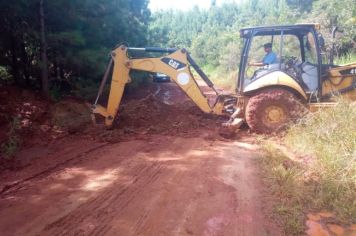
(137,229)
(70,221)
(78,158)
(150,210)
(154,171)
(107,206)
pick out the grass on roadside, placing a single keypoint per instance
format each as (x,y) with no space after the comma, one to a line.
(324,177)
(285,184)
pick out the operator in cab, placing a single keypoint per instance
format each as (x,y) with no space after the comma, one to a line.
(268,59)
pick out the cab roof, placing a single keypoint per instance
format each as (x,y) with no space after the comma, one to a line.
(297,29)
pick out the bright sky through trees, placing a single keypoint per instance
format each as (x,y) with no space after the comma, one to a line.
(183,4)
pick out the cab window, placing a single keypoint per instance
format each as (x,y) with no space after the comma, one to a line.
(291,47)
(310,49)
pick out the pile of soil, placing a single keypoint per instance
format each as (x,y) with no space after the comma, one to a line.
(159,109)
(71,115)
(151,115)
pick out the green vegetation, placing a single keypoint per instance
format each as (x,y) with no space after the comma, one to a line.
(324,177)
(79,35)
(285,180)
(212,36)
(330,137)
(13,142)
(347,58)
(4,75)
(223,79)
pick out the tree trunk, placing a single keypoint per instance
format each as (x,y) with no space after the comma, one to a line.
(44,62)
(14,65)
(25,64)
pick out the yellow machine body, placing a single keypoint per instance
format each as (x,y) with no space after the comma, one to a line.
(340,81)
(182,76)
(335,83)
(177,64)
(276,78)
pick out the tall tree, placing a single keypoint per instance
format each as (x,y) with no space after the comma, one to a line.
(72,37)
(44,61)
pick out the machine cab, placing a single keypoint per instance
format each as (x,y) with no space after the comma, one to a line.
(296,57)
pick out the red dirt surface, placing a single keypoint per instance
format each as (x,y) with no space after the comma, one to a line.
(165,171)
(28,109)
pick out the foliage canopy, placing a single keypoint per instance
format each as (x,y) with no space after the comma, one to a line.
(80,34)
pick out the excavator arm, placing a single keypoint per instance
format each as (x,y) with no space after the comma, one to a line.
(177,65)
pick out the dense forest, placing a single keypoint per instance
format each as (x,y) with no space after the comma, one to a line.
(67,42)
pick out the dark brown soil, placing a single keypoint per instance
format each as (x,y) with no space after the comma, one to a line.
(153,115)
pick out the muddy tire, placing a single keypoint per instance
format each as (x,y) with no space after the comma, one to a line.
(272,109)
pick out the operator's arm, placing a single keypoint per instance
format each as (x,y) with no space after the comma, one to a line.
(270,58)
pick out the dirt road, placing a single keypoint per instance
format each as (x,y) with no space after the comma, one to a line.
(161,185)
(175,177)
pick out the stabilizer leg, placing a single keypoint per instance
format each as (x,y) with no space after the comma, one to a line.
(120,78)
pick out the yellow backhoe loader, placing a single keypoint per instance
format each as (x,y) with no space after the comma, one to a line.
(266,98)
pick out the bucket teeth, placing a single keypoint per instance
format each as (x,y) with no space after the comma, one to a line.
(234,123)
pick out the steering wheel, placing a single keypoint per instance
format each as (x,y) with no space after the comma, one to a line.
(290,62)
(292,65)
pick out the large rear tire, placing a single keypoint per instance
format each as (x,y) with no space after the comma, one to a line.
(272,109)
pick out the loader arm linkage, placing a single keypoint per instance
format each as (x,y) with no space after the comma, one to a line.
(176,65)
